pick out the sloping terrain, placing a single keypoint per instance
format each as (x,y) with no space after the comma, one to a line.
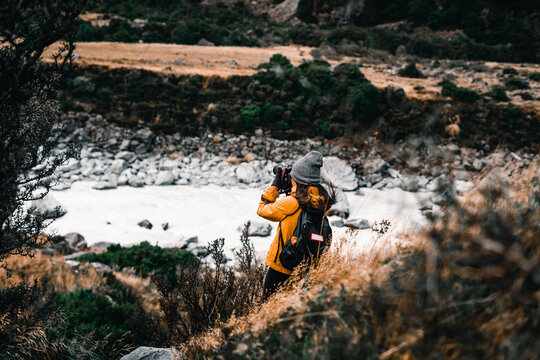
(380,69)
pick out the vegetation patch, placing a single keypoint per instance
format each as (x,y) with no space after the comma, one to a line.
(458,93)
(498,93)
(514,83)
(411,71)
(144,258)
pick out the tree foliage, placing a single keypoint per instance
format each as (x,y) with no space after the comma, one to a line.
(29,112)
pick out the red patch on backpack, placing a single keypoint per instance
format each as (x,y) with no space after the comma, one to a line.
(317,237)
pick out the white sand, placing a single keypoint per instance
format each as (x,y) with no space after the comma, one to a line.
(208,212)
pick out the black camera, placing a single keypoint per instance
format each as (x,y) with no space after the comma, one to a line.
(285,171)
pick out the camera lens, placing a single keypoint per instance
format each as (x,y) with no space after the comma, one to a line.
(276,169)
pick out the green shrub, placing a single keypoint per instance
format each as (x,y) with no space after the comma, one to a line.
(318,73)
(250,117)
(321,127)
(272,113)
(458,93)
(514,83)
(276,60)
(144,258)
(181,34)
(498,93)
(86,32)
(347,75)
(89,313)
(365,100)
(411,71)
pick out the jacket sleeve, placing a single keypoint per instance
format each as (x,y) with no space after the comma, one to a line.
(273,210)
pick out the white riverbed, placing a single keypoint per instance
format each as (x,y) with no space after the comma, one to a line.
(208,212)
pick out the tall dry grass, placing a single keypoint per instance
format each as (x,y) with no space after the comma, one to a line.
(54,275)
(343,266)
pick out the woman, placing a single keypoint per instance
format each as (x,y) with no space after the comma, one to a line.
(307,194)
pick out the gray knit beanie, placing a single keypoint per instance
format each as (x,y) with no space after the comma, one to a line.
(307,170)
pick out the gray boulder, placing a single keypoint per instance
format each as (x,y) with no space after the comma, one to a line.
(337,172)
(151,353)
(200,251)
(101,268)
(135,181)
(258,228)
(189,242)
(164,178)
(358,224)
(337,223)
(76,241)
(145,224)
(49,207)
(374,166)
(118,165)
(108,182)
(246,173)
(341,208)
(125,155)
(410,184)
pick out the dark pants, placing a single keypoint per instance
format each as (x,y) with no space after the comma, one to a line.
(272,280)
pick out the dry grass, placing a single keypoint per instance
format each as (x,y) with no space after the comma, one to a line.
(51,272)
(55,275)
(226,61)
(344,266)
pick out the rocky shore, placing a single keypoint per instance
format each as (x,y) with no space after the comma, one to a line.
(113,156)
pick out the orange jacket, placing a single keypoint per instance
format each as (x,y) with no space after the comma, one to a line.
(287,210)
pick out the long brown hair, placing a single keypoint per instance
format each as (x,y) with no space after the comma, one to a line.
(306,200)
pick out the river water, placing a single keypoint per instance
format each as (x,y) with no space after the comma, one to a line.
(207,212)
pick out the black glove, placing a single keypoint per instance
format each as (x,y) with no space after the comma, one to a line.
(277,181)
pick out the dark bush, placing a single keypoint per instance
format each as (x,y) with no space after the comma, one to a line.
(365,101)
(318,73)
(250,117)
(144,258)
(87,312)
(498,93)
(458,93)
(515,83)
(535,76)
(411,71)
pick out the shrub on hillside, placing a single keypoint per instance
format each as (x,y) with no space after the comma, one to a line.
(458,93)
(514,83)
(250,117)
(144,258)
(199,297)
(498,93)
(411,71)
(365,101)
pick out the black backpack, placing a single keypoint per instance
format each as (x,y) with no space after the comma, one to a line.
(313,233)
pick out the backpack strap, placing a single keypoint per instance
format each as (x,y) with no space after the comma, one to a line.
(281,242)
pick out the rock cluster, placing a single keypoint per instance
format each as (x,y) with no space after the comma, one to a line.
(113,156)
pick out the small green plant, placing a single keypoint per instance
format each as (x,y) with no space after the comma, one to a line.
(498,93)
(411,71)
(322,127)
(144,258)
(514,83)
(251,117)
(458,93)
